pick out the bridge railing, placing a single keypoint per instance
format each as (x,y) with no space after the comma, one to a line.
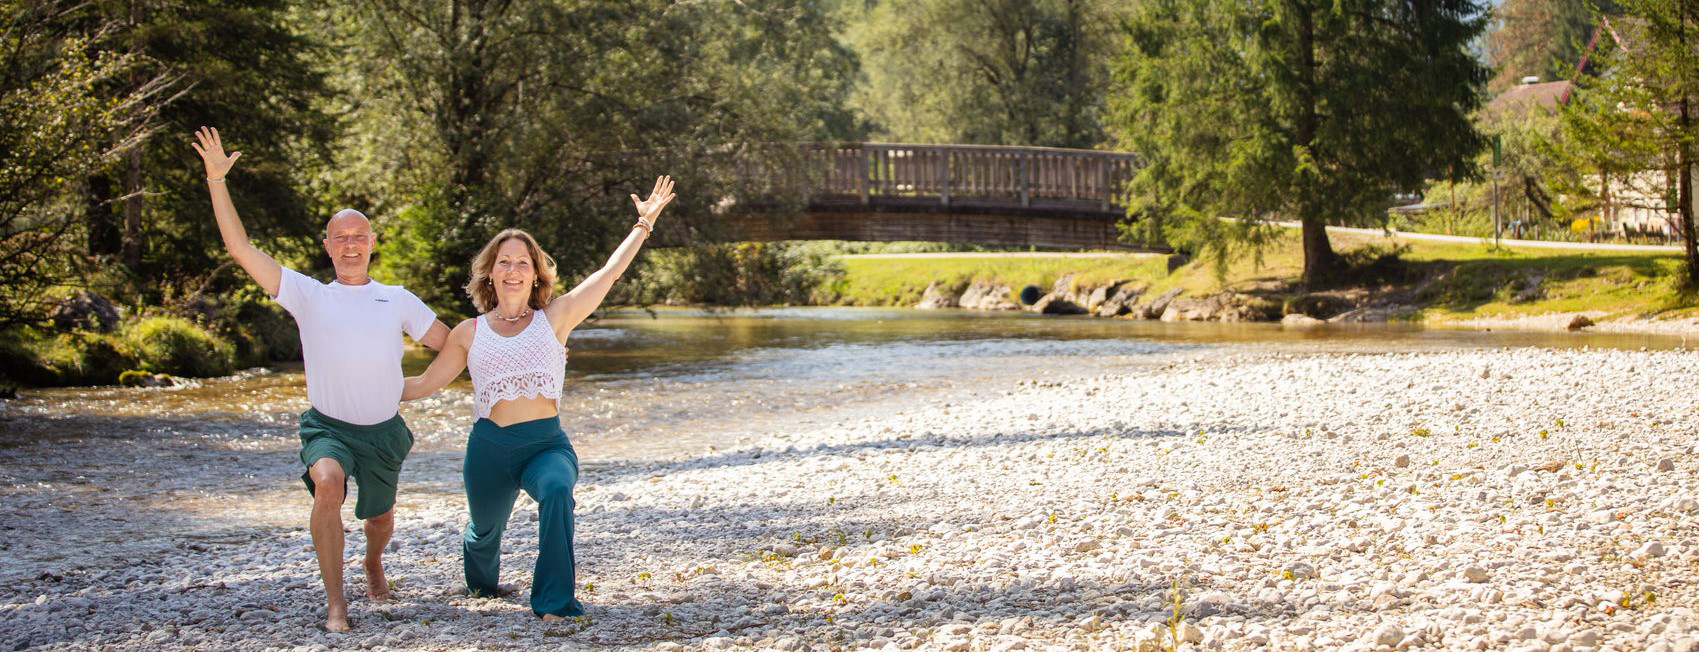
(942,177)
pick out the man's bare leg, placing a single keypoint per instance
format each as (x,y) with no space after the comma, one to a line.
(327,539)
(378,530)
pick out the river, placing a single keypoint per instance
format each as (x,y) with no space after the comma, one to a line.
(215,459)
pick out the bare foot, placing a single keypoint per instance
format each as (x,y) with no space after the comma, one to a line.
(551,618)
(336,618)
(377,588)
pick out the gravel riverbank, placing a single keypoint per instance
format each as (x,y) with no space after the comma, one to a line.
(1497,499)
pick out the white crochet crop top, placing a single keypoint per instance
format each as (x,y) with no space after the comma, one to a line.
(530,364)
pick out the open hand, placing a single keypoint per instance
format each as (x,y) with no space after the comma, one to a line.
(649,209)
(211,149)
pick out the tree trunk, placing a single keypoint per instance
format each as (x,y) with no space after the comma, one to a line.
(133,237)
(104,236)
(1320,262)
(133,243)
(466,111)
(1684,193)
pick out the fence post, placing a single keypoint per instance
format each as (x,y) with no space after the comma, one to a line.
(1106,164)
(1021,176)
(864,172)
(944,176)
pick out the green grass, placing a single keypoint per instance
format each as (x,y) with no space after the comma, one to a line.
(1449,281)
(1619,284)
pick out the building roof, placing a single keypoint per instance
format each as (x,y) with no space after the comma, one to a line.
(1524,98)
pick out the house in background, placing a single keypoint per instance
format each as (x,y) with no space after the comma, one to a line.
(1638,206)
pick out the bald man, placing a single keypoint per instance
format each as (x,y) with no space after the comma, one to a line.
(351,339)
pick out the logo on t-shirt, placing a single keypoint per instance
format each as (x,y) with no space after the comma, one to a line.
(383,300)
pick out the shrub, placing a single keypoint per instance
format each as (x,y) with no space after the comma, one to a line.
(99,359)
(179,347)
(21,365)
(744,274)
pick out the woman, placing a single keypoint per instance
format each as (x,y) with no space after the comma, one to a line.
(517,353)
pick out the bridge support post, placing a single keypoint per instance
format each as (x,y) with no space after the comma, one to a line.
(1103,165)
(1022,175)
(944,177)
(864,172)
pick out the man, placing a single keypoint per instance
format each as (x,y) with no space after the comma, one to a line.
(351,340)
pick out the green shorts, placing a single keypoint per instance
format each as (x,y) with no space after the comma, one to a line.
(371,455)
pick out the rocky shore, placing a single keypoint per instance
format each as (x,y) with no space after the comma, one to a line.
(1239,500)
(1129,299)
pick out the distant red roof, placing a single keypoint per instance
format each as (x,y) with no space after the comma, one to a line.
(1521,99)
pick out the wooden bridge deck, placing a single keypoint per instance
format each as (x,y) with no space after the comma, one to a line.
(1023,196)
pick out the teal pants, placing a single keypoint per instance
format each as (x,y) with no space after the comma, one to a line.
(534,456)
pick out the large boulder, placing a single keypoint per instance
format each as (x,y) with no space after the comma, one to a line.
(936,297)
(1155,307)
(1101,294)
(985,295)
(1063,299)
(1122,300)
(1227,306)
(1190,309)
(1244,307)
(85,310)
(1054,304)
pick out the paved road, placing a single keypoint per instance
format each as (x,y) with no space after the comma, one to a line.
(1538,244)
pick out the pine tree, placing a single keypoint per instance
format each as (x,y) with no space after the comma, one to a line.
(1659,80)
(1267,110)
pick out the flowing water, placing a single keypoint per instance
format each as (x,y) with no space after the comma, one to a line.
(217,458)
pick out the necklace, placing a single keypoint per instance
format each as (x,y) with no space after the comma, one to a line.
(513,318)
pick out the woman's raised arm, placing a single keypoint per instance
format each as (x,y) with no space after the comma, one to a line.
(568,310)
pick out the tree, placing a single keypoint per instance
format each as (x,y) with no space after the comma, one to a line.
(1541,38)
(1657,83)
(1291,109)
(472,115)
(990,72)
(56,126)
(246,67)
(1603,147)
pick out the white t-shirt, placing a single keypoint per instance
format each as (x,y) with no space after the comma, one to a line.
(351,340)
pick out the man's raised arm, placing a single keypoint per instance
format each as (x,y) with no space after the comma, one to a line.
(261,267)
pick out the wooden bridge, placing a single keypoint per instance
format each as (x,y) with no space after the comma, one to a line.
(970,194)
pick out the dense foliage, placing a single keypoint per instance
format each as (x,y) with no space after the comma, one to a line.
(997,72)
(1271,110)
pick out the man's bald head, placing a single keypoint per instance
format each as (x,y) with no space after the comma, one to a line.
(346,218)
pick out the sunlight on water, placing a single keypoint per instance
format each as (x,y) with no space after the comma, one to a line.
(218,458)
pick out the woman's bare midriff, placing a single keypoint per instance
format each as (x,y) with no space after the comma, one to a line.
(518,410)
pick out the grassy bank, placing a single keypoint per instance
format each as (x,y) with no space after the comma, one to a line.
(214,339)
(1444,281)
(903,281)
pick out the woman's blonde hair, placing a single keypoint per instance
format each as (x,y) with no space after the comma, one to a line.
(483,292)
